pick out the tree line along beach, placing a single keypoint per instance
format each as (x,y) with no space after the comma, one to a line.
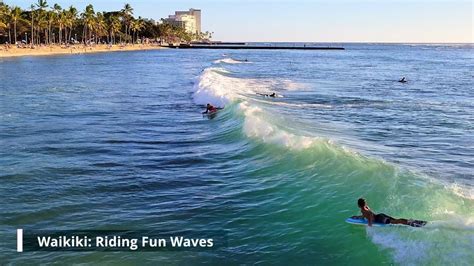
(45,29)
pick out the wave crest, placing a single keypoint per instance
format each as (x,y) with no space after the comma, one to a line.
(256,126)
(229,60)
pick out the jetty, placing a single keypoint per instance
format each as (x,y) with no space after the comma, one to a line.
(252,47)
(218,43)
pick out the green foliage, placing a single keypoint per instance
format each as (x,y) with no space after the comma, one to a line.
(47,24)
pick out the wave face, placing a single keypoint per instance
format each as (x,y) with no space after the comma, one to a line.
(306,181)
(128,148)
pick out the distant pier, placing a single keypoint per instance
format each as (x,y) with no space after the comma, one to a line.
(218,43)
(253,47)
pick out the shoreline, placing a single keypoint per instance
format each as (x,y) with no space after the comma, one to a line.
(14,51)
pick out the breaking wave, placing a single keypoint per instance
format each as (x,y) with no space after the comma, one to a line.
(449,210)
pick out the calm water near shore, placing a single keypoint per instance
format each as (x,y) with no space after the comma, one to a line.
(118,141)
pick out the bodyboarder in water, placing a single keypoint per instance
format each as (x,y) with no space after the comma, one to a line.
(210,109)
(273,95)
(382,218)
(403,80)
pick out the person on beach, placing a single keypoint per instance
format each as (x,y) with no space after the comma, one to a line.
(403,80)
(377,218)
(210,109)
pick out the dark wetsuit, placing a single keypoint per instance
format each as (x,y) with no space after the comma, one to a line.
(382,218)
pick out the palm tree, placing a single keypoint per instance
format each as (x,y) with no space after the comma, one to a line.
(165,31)
(127,13)
(100,26)
(15,16)
(136,26)
(42,26)
(42,4)
(3,16)
(50,18)
(114,26)
(33,11)
(41,17)
(59,19)
(88,20)
(62,25)
(7,15)
(133,25)
(70,21)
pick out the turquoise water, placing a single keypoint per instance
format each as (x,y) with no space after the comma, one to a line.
(117,141)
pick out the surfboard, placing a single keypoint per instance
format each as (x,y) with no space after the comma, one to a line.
(362,221)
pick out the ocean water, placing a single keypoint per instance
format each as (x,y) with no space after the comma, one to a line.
(118,141)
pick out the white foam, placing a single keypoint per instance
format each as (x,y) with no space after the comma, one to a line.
(215,87)
(448,236)
(283,84)
(229,60)
(461,191)
(450,219)
(256,126)
(290,85)
(405,251)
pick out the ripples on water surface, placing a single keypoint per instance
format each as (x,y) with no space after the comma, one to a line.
(117,141)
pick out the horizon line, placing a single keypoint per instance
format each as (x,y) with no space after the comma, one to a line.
(366,42)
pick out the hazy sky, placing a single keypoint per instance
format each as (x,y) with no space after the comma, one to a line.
(312,20)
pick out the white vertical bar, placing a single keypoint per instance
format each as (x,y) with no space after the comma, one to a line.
(19,240)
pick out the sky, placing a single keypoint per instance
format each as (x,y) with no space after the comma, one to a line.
(399,21)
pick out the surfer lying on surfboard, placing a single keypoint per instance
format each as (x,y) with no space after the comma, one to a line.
(382,218)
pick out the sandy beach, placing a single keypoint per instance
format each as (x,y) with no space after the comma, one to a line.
(14,51)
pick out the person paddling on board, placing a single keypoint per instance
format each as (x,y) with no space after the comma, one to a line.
(378,218)
(403,80)
(210,109)
(273,95)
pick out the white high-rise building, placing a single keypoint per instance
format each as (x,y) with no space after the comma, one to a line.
(189,20)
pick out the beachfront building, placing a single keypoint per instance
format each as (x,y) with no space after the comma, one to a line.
(189,20)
